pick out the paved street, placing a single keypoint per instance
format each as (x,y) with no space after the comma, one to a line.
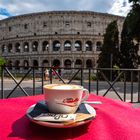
(103,86)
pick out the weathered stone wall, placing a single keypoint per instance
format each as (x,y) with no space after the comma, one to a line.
(67,38)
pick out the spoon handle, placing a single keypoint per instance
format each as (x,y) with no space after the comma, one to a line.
(93,102)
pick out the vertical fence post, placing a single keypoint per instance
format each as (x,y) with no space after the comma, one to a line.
(33,80)
(138,86)
(81,76)
(42,79)
(2,78)
(50,75)
(131,85)
(89,77)
(97,79)
(124,86)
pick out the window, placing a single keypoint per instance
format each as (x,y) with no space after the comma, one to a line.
(78,63)
(67,46)
(44,24)
(26,47)
(78,46)
(10,29)
(10,48)
(67,63)
(17,47)
(56,46)
(3,48)
(67,23)
(88,46)
(35,46)
(88,24)
(89,63)
(98,46)
(26,26)
(45,46)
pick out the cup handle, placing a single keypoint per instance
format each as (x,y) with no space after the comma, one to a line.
(86,95)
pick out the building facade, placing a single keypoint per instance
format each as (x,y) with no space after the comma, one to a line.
(64,38)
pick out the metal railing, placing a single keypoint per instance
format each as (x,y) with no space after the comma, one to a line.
(123,84)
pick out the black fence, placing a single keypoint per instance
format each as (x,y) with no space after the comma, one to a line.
(122,84)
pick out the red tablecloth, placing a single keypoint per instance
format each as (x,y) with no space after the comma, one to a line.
(115,120)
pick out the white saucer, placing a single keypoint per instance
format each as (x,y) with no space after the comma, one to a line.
(89,108)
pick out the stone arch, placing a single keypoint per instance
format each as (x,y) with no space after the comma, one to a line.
(45,46)
(45,63)
(78,45)
(56,45)
(88,46)
(89,63)
(17,64)
(98,45)
(67,63)
(35,46)
(10,47)
(78,63)
(3,48)
(26,64)
(67,46)
(35,64)
(56,62)
(17,47)
(26,47)
(10,64)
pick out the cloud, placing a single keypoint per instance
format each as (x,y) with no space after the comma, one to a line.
(17,7)
(120,8)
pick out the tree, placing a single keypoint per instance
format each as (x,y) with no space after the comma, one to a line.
(130,37)
(109,55)
(2,61)
(110,49)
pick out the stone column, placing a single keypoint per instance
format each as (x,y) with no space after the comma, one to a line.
(83,46)
(62,46)
(21,47)
(30,47)
(39,46)
(73,45)
(50,46)
(94,46)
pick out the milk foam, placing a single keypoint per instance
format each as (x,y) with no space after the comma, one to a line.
(64,87)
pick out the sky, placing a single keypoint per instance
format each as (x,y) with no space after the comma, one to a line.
(10,8)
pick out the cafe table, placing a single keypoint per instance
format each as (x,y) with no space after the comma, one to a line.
(115,120)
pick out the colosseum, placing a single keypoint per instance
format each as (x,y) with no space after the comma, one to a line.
(64,38)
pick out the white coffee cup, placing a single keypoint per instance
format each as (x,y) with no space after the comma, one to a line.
(64,98)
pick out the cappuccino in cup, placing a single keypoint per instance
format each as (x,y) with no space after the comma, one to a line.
(64,98)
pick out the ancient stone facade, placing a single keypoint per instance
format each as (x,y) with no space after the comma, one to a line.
(64,38)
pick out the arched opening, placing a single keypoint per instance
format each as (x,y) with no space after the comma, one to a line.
(26,64)
(67,46)
(35,64)
(78,46)
(10,47)
(35,46)
(17,47)
(3,49)
(98,46)
(78,63)
(89,63)
(17,63)
(56,62)
(26,47)
(45,46)
(9,64)
(88,46)
(67,63)
(45,63)
(56,45)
